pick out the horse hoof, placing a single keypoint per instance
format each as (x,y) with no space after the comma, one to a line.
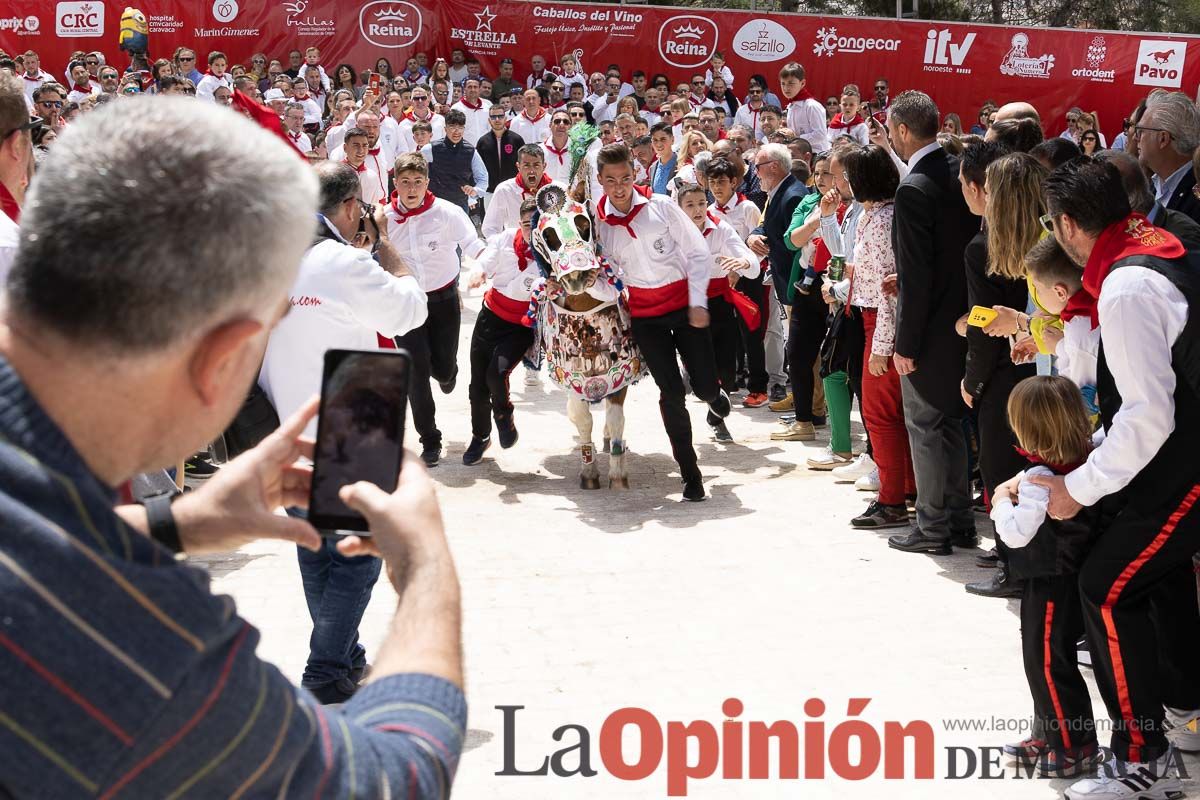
(618,483)
(589,483)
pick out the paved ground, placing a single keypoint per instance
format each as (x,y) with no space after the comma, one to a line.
(578,604)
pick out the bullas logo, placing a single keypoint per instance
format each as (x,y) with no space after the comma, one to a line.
(1096,53)
(942,54)
(304,23)
(1018,63)
(225,11)
(828,43)
(390,23)
(74,19)
(687,40)
(1160,63)
(763,40)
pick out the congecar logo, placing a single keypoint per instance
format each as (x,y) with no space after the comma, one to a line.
(828,43)
(763,40)
(1160,63)
(687,40)
(72,19)
(390,23)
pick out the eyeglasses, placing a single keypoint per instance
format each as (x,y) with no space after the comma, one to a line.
(258,61)
(495,116)
(1138,130)
(1047,222)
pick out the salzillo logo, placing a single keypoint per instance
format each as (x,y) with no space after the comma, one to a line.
(1096,53)
(943,55)
(828,43)
(1019,63)
(225,10)
(390,23)
(687,41)
(72,19)
(763,40)
(1160,63)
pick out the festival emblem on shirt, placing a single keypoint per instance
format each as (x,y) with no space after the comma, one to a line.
(1019,63)
(1146,234)
(660,246)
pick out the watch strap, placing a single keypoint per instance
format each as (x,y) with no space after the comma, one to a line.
(162,521)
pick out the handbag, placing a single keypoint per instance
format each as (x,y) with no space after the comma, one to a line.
(255,421)
(835,347)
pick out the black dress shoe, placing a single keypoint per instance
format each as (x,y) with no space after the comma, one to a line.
(999,585)
(965,538)
(339,691)
(819,421)
(506,429)
(475,450)
(432,455)
(916,542)
(448,386)
(988,560)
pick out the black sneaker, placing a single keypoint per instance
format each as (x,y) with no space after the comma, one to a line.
(722,405)
(339,691)
(878,516)
(475,450)
(448,386)
(721,432)
(432,455)
(198,468)
(966,538)
(360,673)
(777,393)
(693,490)
(506,429)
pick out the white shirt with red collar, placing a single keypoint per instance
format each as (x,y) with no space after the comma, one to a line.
(33,83)
(531,129)
(299,141)
(378,159)
(657,250)
(79,94)
(429,239)
(570,80)
(855,128)
(210,83)
(509,264)
(504,211)
(748,116)
(437,121)
(724,240)
(536,79)
(312,109)
(477,118)
(739,212)
(652,117)
(558,161)
(396,140)
(372,188)
(806,118)
(698,103)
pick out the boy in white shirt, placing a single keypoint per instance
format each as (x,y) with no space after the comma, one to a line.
(805,113)
(848,121)
(214,77)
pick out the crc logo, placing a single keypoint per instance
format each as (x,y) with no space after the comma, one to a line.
(828,43)
(942,54)
(390,23)
(75,19)
(1018,63)
(225,10)
(763,40)
(687,40)
(1096,53)
(1160,63)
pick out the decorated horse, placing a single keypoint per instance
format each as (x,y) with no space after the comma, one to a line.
(582,318)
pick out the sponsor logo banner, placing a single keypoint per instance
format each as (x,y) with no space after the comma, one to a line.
(302,23)
(763,40)
(1097,52)
(22,26)
(1160,63)
(687,41)
(944,54)
(1018,63)
(76,19)
(829,42)
(484,38)
(390,23)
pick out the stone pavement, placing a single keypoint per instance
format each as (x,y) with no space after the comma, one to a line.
(577,604)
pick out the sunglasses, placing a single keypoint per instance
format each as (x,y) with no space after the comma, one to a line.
(187,58)
(756,91)
(421,99)
(697,83)
(30,125)
(51,103)
(258,61)
(560,122)
(881,88)
(92,63)
(1047,222)
(495,116)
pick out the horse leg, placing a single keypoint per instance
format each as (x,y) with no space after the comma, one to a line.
(580,414)
(614,425)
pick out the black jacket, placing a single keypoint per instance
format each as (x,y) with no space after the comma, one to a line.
(1058,548)
(1184,199)
(774,226)
(989,356)
(501,161)
(930,232)
(1185,229)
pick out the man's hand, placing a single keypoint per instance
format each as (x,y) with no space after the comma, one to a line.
(890,287)
(405,525)
(698,317)
(758,245)
(830,201)
(469,191)
(877,365)
(238,504)
(1062,505)
(966,396)
(381,220)
(827,292)
(905,366)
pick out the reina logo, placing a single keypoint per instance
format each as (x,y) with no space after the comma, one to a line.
(1096,53)
(943,55)
(763,40)
(1018,63)
(75,19)
(1160,63)
(828,43)
(687,41)
(390,23)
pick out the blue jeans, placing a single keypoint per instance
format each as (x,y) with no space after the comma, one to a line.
(337,590)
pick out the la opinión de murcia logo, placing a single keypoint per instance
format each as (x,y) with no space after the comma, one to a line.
(484,37)
(687,41)
(943,54)
(75,19)
(1097,52)
(390,23)
(1160,63)
(763,40)
(1017,61)
(828,43)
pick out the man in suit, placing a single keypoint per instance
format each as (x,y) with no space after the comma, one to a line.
(931,229)
(1167,136)
(773,163)
(1141,199)
(498,149)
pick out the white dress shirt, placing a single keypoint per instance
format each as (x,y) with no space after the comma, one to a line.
(335,135)
(1077,355)
(376,160)
(8,248)
(1141,316)
(743,215)
(604,111)
(749,117)
(342,299)
(312,109)
(725,73)
(397,139)
(504,211)
(371,188)
(477,119)
(76,96)
(807,119)
(723,240)
(916,157)
(299,141)
(210,83)
(558,161)
(532,130)
(1164,189)
(32,84)
(430,242)
(511,286)
(437,121)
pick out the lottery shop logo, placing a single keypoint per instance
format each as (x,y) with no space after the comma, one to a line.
(390,23)
(1018,62)
(687,40)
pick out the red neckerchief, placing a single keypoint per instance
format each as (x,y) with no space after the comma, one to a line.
(522,249)
(404,214)
(525,192)
(538,77)
(360,168)
(1132,236)
(36,78)
(626,221)
(1080,304)
(8,204)
(805,94)
(373,152)
(839,121)
(475,107)
(738,198)
(295,137)
(409,116)
(1061,469)
(220,77)
(556,151)
(692,99)
(715,222)
(538,118)
(558,105)
(85,89)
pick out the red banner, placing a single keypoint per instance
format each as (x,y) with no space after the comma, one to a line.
(959,64)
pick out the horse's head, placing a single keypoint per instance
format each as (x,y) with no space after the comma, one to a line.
(564,239)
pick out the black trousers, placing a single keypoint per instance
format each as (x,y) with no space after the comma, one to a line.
(1143,623)
(1051,624)
(806,330)
(434,350)
(752,340)
(659,339)
(496,348)
(856,341)
(723,326)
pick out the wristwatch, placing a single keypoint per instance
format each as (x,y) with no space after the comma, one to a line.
(162,522)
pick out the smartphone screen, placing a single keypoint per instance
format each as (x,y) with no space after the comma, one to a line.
(374,82)
(360,431)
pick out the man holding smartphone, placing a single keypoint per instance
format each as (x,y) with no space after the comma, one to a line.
(342,299)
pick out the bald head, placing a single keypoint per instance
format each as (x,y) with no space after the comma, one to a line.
(1017,111)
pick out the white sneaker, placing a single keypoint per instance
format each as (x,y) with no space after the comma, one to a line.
(828,460)
(1183,729)
(868,482)
(532,377)
(1123,780)
(863,465)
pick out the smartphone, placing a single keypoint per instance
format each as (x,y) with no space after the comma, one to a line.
(982,316)
(373,84)
(360,431)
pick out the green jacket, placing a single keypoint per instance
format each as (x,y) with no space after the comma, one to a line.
(799,216)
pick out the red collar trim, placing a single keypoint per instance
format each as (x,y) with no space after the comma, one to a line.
(560,153)
(710,228)
(840,122)
(475,107)
(404,214)
(522,250)
(1061,469)
(538,118)
(526,192)
(360,168)
(8,204)
(737,200)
